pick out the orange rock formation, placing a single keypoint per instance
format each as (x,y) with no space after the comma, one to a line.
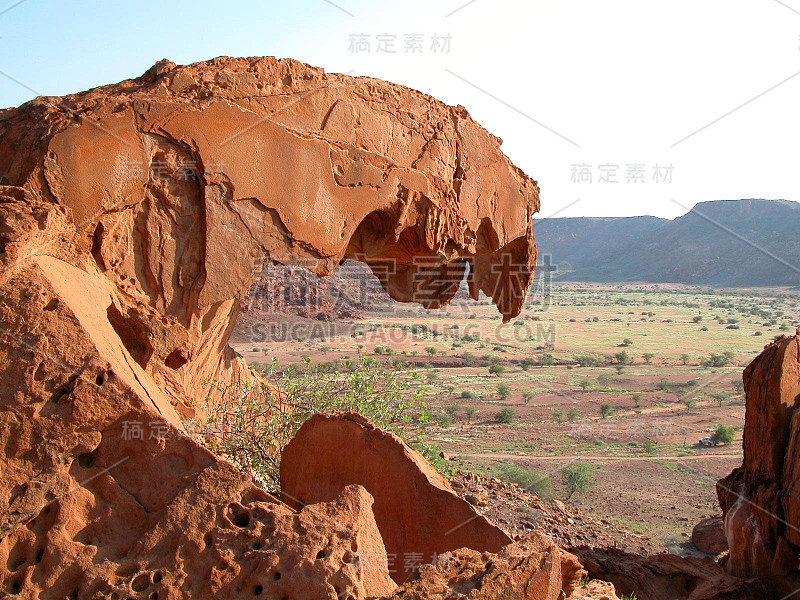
(133,219)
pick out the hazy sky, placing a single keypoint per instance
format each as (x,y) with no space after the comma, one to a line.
(582,92)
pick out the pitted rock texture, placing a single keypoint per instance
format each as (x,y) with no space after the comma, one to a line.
(761,499)
(133,219)
(417,512)
(529,569)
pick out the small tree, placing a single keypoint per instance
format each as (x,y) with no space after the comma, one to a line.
(558,416)
(690,403)
(622,357)
(578,478)
(619,369)
(431,350)
(527,396)
(505,416)
(467,395)
(572,415)
(648,357)
(503,391)
(720,398)
(723,434)
(470,412)
(585,384)
(685,358)
(496,369)
(627,342)
(527,363)
(546,360)
(606,410)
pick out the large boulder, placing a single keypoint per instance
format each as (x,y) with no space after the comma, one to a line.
(761,499)
(133,219)
(709,536)
(529,569)
(417,512)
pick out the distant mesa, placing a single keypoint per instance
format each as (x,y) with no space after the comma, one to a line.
(724,243)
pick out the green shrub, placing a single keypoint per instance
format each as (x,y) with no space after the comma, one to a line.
(506,416)
(578,478)
(249,424)
(467,395)
(723,434)
(606,410)
(497,370)
(540,485)
(546,360)
(503,391)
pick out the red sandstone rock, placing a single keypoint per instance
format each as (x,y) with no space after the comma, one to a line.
(135,218)
(709,536)
(595,590)
(666,576)
(529,569)
(761,499)
(416,510)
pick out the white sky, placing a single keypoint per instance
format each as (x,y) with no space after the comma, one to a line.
(622,80)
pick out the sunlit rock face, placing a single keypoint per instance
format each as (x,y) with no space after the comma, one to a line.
(761,499)
(133,219)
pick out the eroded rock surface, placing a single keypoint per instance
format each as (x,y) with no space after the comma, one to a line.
(709,536)
(666,576)
(417,512)
(133,219)
(761,499)
(529,569)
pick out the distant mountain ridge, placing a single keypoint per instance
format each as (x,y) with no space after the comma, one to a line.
(723,243)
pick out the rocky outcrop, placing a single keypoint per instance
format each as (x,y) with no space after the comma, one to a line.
(761,499)
(709,536)
(184,183)
(529,569)
(417,512)
(133,219)
(666,576)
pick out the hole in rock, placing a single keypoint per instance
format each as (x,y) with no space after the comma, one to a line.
(86,459)
(141,582)
(238,515)
(100,380)
(320,554)
(277,575)
(208,540)
(132,334)
(157,577)
(16,587)
(39,555)
(258,590)
(52,305)
(154,596)
(176,359)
